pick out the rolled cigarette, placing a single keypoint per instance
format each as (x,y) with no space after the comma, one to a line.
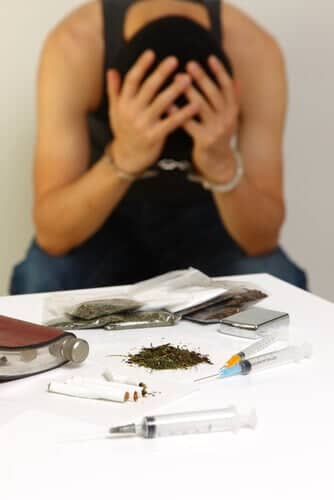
(134,390)
(112,393)
(87,381)
(92,382)
(122,379)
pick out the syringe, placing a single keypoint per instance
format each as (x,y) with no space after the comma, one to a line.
(253,348)
(269,360)
(197,422)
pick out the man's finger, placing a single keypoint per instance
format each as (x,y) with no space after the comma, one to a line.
(224,80)
(211,91)
(136,74)
(175,120)
(113,84)
(194,129)
(154,82)
(205,110)
(172,109)
(168,96)
(237,89)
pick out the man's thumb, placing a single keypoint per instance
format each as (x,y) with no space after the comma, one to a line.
(113,83)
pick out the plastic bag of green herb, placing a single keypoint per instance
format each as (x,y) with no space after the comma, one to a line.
(91,309)
(142,319)
(71,323)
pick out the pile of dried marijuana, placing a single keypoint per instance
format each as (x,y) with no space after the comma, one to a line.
(167,357)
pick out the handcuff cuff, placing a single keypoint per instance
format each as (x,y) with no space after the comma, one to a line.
(169,164)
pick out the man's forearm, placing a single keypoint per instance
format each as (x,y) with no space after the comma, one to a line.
(252,218)
(70,215)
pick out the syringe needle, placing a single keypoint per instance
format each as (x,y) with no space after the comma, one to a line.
(124,429)
(216,375)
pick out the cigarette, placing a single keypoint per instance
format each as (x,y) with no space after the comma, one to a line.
(92,382)
(135,391)
(87,381)
(112,393)
(122,379)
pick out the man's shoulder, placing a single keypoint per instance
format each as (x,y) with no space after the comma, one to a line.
(246,39)
(79,32)
(259,67)
(72,55)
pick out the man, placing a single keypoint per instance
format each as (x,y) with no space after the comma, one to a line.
(105,214)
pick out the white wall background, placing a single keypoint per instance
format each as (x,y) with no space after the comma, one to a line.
(305,32)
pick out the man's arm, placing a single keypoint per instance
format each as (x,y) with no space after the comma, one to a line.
(254,107)
(71,202)
(254,212)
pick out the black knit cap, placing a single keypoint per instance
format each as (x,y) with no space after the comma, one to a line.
(185,39)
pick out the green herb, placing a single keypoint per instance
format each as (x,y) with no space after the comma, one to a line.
(71,323)
(141,319)
(167,357)
(102,307)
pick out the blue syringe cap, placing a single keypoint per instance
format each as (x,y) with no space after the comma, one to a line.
(229,372)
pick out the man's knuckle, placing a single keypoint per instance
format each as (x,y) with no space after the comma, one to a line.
(201,78)
(122,107)
(150,137)
(176,119)
(232,118)
(139,123)
(209,140)
(126,113)
(235,113)
(132,76)
(220,130)
(229,125)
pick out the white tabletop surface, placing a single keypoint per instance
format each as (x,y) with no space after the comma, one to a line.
(288,456)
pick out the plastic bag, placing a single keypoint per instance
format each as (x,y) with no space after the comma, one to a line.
(142,319)
(224,306)
(92,309)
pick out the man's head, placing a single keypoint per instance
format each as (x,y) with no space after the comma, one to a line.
(183,38)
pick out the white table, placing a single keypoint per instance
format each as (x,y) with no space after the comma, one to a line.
(288,456)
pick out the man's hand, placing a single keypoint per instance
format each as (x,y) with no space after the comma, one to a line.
(136,111)
(218,113)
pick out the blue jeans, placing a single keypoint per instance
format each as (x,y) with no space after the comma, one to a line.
(160,238)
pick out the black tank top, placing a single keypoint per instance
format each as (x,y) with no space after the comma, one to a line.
(166,185)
